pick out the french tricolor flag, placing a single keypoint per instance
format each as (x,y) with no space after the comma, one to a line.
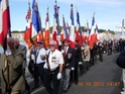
(79,37)
(36,21)
(93,36)
(72,29)
(64,33)
(4,21)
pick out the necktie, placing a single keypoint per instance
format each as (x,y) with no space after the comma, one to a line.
(64,51)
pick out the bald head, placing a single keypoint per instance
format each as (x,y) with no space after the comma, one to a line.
(52,42)
(16,40)
(52,45)
(10,42)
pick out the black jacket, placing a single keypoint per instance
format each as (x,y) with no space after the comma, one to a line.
(70,58)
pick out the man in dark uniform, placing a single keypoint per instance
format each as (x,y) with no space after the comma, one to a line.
(110,44)
(78,64)
(100,51)
(69,58)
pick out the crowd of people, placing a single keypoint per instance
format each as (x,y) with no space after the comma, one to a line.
(49,66)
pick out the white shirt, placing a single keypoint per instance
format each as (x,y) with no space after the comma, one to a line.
(66,49)
(55,59)
(39,60)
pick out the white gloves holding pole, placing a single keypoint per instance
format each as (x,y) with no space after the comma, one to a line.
(59,76)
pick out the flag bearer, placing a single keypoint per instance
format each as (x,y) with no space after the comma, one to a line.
(53,69)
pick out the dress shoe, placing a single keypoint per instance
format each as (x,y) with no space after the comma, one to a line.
(35,87)
(65,90)
(122,92)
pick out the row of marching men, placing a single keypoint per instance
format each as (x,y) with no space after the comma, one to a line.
(50,66)
(53,65)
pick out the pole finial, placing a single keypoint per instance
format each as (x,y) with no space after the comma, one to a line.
(55,2)
(71,5)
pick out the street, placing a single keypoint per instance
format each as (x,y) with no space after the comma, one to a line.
(102,78)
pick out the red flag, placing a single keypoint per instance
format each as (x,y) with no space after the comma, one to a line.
(27,33)
(4,20)
(47,31)
(54,33)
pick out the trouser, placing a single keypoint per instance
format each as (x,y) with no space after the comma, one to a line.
(81,69)
(66,78)
(38,72)
(100,56)
(76,73)
(31,67)
(109,51)
(123,76)
(26,83)
(87,65)
(51,82)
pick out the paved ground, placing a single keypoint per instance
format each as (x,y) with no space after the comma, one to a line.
(102,78)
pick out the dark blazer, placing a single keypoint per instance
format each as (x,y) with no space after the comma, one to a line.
(121,60)
(70,58)
(78,53)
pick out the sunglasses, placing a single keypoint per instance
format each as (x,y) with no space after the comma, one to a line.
(51,45)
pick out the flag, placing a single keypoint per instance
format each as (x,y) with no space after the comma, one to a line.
(54,32)
(36,21)
(68,28)
(64,33)
(27,33)
(47,31)
(56,28)
(4,22)
(72,29)
(92,37)
(56,15)
(79,37)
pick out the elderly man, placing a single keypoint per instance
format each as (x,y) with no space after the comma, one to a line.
(53,69)
(69,57)
(23,50)
(12,80)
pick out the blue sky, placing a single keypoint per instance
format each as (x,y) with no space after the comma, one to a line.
(108,13)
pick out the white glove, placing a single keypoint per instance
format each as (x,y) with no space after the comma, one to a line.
(72,68)
(59,76)
(80,63)
(32,56)
(62,51)
(8,52)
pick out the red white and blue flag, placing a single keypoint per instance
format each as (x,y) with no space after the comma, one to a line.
(64,33)
(72,29)
(93,36)
(47,31)
(4,21)
(56,29)
(36,21)
(79,37)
